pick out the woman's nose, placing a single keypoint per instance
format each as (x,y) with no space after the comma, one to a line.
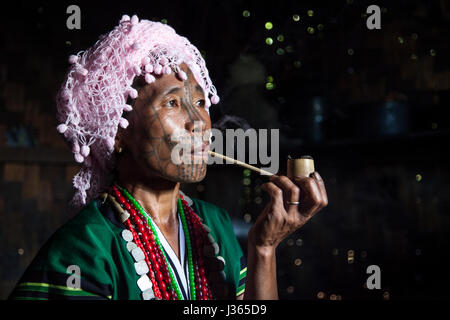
(195,125)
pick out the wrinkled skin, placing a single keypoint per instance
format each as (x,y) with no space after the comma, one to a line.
(161,110)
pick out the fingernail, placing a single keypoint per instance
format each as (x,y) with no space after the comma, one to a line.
(317,176)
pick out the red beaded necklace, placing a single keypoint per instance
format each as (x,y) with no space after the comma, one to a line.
(159,273)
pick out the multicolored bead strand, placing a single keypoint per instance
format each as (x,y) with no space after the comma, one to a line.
(161,275)
(156,290)
(159,292)
(189,249)
(202,284)
(151,246)
(155,234)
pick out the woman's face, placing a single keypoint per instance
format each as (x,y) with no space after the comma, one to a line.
(166,113)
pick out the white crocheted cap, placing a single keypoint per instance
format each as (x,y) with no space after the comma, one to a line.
(93,96)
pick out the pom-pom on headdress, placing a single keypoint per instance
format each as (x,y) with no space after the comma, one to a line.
(94,93)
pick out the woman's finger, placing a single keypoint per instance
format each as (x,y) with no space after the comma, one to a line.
(291,192)
(321,184)
(310,203)
(275,193)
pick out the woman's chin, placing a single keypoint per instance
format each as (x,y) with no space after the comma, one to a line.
(192,173)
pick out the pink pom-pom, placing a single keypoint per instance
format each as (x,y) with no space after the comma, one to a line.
(125,17)
(78,158)
(61,128)
(123,123)
(127,107)
(132,93)
(148,68)
(167,70)
(73,59)
(85,151)
(134,20)
(215,99)
(207,103)
(182,75)
(76,148)
(158,69)
(145,60)
(137,70)
(149,78)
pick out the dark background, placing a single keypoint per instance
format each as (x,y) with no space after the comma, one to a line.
(371,107)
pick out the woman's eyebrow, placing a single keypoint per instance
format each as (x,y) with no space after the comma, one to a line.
(177,89)
(170,90)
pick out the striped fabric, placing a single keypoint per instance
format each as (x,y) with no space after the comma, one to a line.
(51,285)
(242,276)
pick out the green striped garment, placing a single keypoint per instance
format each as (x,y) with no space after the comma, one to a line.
(92,242)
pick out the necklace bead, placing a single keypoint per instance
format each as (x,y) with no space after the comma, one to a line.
(147,239)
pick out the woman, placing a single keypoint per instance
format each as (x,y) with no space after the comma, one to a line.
(137,236)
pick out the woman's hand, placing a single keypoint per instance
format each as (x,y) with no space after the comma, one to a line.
(282,215)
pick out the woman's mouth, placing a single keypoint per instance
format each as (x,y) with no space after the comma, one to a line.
(200,150)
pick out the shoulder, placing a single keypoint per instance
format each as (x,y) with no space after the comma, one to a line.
(84,245)
(88,234)
(87,230)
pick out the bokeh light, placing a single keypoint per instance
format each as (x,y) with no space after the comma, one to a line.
(270,86)
(280,51)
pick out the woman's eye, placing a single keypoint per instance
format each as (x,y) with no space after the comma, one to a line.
(201,103)
(172,103)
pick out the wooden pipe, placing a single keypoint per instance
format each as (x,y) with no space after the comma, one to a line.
(301,167)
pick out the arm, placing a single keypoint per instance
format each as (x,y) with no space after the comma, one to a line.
(261,282)
(279,219)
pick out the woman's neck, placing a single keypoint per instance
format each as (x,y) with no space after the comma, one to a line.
(156,195)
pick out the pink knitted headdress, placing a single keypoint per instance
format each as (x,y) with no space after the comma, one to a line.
(93,96)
